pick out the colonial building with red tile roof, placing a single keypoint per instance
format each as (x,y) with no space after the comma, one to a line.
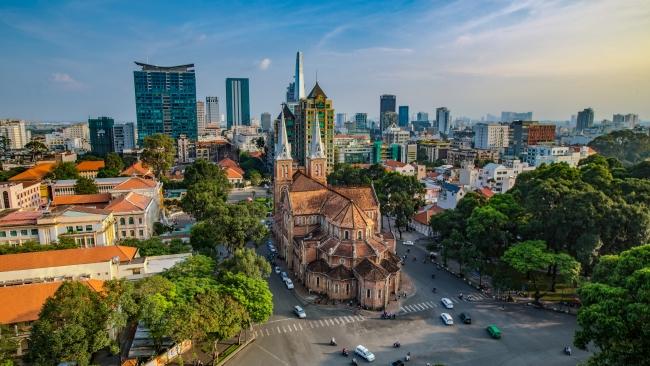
(331,237)
(135,215)
(138,169)
(90,168)
(420,221)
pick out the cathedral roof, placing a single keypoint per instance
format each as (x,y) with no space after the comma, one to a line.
(391,262)
(302,183)
(370,271)
(340,272)
(351,216)
(318,266)
(316,92)
(364,197)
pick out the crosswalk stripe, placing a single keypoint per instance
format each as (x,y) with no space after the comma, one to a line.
(300,325)
(349,319)
(360,317)
(337,320)
(433,305)
(454,300)
(420,307)
(411,308)
(402,309)
(296,328)
(267,331)
(278,329)
(327,321)
(425,305)
(321,323)
(289,328)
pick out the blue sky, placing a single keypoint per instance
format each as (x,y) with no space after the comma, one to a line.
(67,60)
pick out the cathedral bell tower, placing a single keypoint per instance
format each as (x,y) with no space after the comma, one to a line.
(283,166)
(317,159)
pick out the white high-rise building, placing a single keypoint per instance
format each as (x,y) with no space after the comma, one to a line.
(490,135)
(212,116)
(443,120)
(299,78)
(15,131)
(341,118)
(200,117)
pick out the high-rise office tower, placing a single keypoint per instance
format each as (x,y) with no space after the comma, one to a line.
(212,116)
(361,121)
(238,109)
(516,116)
(291,93)
(299,79)
(443,120)
(423,117)
(490,135)
(101,135)
(200,117)
(15,132)
(341,118)
(306,111)
(386,104)
(266,121)
(528,133)
(165,100)
(124,137)
(403,119)
(585,119)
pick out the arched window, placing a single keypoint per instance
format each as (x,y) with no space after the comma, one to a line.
(122,221)
(131,222)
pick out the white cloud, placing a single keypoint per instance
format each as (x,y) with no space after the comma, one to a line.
(65,80)
(264,64)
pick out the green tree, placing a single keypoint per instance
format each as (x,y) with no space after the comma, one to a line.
(158,153)
(8,345)
(615,310)
(203,170)
(205,199)
(252,293)
(6,174)
(400,196)
(234,226)
(255,177)
(640,170)
(65,170)
(628,146)
(71,327)
(155,246)
(246,261)
(85,186)
(112,168)
(36,148)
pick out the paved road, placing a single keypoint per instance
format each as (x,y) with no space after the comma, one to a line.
(530,336)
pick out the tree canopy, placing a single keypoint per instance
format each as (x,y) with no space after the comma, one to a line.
(113,166)
(158,153)
(615,310)
(246,261)
(628,146)
(85,186)
(65,170)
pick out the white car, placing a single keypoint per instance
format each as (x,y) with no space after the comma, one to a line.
(364,353)
(447,319)
(277,270)
(407,242)
(289,284)
(447,303)
(299,312)
(284,276)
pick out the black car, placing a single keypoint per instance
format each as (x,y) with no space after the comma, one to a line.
(466,318)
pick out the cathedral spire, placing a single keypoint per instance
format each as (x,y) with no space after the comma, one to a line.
(316,150)
(283,150)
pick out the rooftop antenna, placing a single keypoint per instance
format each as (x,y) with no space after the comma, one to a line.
(316,75)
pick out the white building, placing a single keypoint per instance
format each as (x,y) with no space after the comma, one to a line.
(500,178)
(490,136)
(212,116)
(20,195)
(450,194)
(16,133)
(395,135)
(183,149)
(246,140)
(540,154)
(135,215)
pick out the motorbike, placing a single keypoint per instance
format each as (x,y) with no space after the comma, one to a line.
(332,342)
(435,290)
(567,351)
(396,345)
(345,352)
(408,356)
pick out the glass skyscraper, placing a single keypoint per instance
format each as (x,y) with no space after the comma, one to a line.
(238,106)
(403,119)
(101,135)
(165,100)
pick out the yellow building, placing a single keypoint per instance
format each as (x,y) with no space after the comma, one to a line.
(307,110)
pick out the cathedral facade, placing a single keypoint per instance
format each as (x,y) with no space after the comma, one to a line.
(331,237)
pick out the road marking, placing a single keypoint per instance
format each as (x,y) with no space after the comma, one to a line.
(272,355)
(337,320)
(419,307)
(351,319)
(267,331)
(278,329)
(300,325)
(321,323)
(360,318)
(311,325)
(425,305)
(402,309)
(296,328)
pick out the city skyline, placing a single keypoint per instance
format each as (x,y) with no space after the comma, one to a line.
(62,57)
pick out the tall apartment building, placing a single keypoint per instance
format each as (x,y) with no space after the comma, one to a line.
(528,133)
(315,107)
(212,116)
(265,119)
(395,135)
(124,137)
(443,120)
(422,117)
(341,118)
(102,139)
(200,118)
(516,116)
(15,132)
(490,135)
(403,118)
(78,130)
(626,120)
(585,119)
(165,100)
(361,121)
(238,109)
(387,104)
